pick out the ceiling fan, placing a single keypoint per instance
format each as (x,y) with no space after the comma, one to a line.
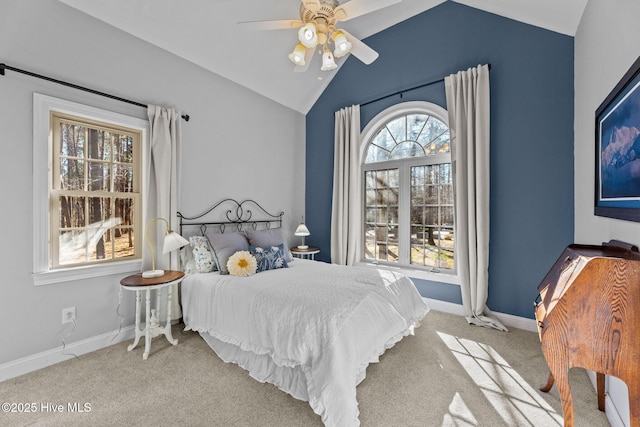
(317,29)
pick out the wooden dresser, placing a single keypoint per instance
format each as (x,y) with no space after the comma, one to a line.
(588,315)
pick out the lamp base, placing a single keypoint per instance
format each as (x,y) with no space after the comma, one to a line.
(152,273)
(303,246)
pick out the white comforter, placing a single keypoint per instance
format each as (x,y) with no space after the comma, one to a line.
(328,321)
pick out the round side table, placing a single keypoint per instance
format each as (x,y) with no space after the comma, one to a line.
(306,253)
(152,327)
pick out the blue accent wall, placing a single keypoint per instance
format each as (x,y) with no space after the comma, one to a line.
(532,96)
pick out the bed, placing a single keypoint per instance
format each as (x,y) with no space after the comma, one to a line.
(310,328)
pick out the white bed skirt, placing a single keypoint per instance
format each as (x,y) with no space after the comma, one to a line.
(290,379)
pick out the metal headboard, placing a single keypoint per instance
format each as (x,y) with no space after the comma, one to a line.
(236,214)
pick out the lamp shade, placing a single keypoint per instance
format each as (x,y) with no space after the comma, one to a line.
(171,242)
(302,230)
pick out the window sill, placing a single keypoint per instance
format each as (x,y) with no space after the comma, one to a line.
(88,272)
(451,279)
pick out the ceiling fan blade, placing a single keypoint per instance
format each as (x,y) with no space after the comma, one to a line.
(312,5)
(355,8)
(308,57)
(270,25)
(360,50)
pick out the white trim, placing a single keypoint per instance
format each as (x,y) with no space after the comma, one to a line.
(508,319)
(42,143)
(416,273)
(51,357)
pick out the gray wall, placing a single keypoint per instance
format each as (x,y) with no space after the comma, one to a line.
(606,44)
(531,135)
(230,146)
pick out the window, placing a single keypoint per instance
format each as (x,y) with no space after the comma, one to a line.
(408,206)
(95,192)
(87,191)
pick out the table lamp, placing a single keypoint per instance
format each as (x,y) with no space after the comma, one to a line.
(302,231)
(172,241)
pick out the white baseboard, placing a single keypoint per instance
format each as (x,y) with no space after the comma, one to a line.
(51,357)
(508,320)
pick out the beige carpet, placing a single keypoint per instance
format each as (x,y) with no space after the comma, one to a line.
(448,374)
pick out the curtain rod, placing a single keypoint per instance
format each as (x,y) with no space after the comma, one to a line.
(400,92)
(39,76)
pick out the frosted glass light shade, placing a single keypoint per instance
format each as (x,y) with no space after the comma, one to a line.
(327,61)
(308,36)
(342,45)
(297,56)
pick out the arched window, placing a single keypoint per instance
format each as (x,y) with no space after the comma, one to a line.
(407,188)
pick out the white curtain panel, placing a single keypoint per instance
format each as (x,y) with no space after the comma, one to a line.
(345,208)
(467,94)
(161,201)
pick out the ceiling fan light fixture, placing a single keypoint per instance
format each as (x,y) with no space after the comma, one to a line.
(328,63)
(308,35)
(342,45)
(297,56)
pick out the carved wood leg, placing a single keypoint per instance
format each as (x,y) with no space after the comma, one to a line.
(600,388)
(137,333)
(548,385)
(560,372)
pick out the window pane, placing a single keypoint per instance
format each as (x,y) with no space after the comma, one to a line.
(98,179)
(407,149)
(123,179)
(124,244)
(99,211)
(415,123)
(71,174)
(376,154)
(72,212)
(370,179)
(71,247)
(432,130)
(124,213)
(398,129)
(123,148)
(72,140)
(393,177)
(384,140)
(99,144)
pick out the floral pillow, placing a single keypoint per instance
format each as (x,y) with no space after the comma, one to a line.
(269,258)
(241,264)
(202,255)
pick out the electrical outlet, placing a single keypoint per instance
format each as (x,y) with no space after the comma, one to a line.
(68,315)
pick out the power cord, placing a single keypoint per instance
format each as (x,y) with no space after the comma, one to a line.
(119,314)
(64,344)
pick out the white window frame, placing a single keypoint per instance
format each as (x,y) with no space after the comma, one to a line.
(366,135)
(43,105)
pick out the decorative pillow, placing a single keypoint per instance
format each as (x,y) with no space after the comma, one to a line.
(241,264)
(202,254)
(269,258)
(186,260)
(225,245)
(270,237)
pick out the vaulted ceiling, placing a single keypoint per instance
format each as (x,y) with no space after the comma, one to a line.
(206,33)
